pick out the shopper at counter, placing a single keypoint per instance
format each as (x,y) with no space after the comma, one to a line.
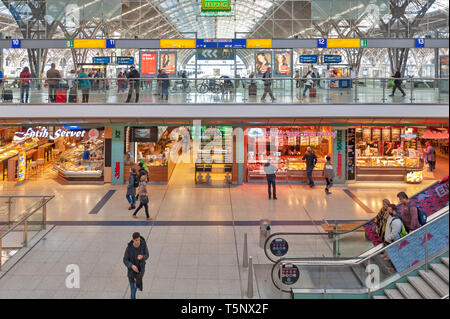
(143,197)
(430,152)
(270,171)
(131,188)
(409,213)
(311,161)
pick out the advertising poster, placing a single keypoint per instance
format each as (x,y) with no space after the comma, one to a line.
(367,134)
(376,134)
(168,62)
(21,163)
(148,63)
(396,134)
(283,62)
(263,62)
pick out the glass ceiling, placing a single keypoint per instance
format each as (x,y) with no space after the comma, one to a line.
(245,14)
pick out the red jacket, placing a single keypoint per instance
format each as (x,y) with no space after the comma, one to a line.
(25,75)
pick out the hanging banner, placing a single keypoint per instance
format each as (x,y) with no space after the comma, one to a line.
(339,157)
(351,155)
(148,63)
(283,64)
(263,62)
(168,62)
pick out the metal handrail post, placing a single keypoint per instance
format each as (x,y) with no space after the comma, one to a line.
(426,249)
(383,84)
(0,254)
(356,89)
(325,281)
(44,216)
(25,233)
(412,90)
(9,209)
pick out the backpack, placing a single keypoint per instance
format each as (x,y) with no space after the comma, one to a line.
(136,181)
(421,216)
(403,232)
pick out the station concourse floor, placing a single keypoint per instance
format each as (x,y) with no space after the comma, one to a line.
(195,239)
(284,96)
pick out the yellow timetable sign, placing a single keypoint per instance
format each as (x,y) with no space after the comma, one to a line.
(177,43)
(343,43)
(259,43)
(89,44)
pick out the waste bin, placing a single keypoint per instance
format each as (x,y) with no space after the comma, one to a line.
(264,231)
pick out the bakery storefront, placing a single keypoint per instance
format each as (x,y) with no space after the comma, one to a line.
(388,154)
(286,146)
(71,154)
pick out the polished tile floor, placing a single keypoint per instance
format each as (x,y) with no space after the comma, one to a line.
(188,258)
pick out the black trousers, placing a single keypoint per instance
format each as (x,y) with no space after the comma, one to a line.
(139,208)
(136,87)
(85,93)
(271,184)
(329,181)
(398,86)
(52,92)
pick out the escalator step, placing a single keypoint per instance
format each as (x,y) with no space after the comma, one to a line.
(380,297)
(408,291)
(393,294)
(435,282)
(441,270)
(423,288)
(445,260)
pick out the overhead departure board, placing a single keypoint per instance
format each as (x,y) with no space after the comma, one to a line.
(259,43)
(89,44)
(177,43)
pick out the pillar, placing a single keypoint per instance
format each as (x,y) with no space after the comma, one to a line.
(115,135)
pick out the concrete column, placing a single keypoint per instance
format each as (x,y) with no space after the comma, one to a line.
(117,155)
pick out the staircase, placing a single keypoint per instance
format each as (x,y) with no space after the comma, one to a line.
(427,285)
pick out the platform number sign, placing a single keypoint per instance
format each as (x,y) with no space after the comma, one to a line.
(322,43)
(110,44)
(420,43)
(16,43)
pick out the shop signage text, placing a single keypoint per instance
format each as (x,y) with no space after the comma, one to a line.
(302,134)
(44,133)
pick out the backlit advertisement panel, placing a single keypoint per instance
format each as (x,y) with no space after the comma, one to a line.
(283,64)
(263,62)
(148,63)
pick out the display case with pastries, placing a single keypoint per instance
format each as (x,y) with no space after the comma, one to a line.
(12,149)
(414,177)
(379,161)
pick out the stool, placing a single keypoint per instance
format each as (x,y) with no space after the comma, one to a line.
(199,168)
(228,170)
(40,165)
(56,154)
(208,170)
(33,168)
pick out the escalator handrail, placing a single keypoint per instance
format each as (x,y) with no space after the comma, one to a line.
(352,261)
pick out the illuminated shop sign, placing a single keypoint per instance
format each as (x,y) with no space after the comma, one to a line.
(216,5)
(303,134)
(44,133)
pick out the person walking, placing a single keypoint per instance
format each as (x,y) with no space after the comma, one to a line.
(430,155)
(120,82)
(159,83)
(165,84)
(25,77)
(134,78)
(397,82)
(143,197)
(309,82)
(135,257)
(143,169)
(270,171)
(328,173)
(33,80)
(298,80)
(267,79)
(133,182)
(84,83)
(311,161)
(53,76)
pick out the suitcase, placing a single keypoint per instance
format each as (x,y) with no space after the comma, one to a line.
(73,95)
(252,89)
(7,95)
(61,96)
(312,92)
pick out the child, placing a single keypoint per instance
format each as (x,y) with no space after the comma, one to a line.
(328,173)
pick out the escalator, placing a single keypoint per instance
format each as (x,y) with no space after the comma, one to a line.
(359,240)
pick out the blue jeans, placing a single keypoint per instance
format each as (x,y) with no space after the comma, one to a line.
(307,87)
(165,92)
(131,199)
(133,290)
(309,171)
(24,88)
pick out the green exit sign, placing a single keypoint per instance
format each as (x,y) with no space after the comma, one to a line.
(216,5)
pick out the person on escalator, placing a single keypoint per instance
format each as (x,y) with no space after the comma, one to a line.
(381,219)
(393,229)
(408,212)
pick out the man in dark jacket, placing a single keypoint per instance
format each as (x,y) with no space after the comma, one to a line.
(397,83)
(134,258)
(165,85)
(134,78)
(311,161)
(268,85)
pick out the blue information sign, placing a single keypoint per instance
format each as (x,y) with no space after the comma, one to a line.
(233,44)
(110,44)
(16,43)
(322,43)
(332,59)
(206,44)
(101,59)
(420,43)
(125,60)
(308,59)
